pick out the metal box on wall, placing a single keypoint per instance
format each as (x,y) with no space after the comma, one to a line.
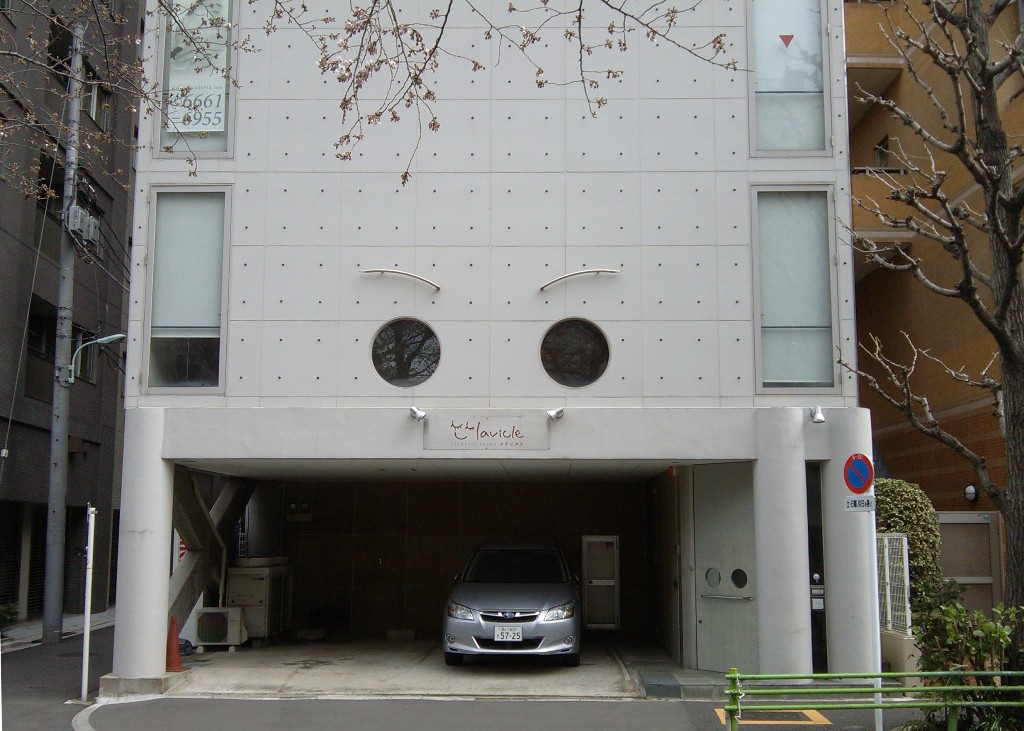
(262,588)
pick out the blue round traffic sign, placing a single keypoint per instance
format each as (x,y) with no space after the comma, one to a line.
(858,473)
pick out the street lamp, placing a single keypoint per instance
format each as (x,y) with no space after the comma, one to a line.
(73,365)
(53,579)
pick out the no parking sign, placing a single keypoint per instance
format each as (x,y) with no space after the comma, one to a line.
(859,475)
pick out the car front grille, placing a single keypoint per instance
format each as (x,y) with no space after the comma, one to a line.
(517,618)
(525,645)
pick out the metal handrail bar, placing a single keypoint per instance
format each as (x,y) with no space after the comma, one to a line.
(883,704)
(869,690)
(883,676)
(947,693)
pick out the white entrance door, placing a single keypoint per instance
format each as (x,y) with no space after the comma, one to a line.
(723,514)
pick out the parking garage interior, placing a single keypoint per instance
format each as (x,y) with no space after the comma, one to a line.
(372,559)
(377,559)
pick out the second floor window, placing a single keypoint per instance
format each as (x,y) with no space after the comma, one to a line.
(794,253)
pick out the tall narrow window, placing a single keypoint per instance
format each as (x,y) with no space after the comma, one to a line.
(794,255)
(96,99)
(789,87)
(882,154)
(185,320)
(196,57)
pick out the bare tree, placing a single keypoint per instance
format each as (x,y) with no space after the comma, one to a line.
(960,194)
(35,53)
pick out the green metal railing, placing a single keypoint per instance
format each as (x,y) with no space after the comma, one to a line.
(946,695)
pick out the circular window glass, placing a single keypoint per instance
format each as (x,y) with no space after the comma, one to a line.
(713,577)
(406,352)
(739,578)
(574,353)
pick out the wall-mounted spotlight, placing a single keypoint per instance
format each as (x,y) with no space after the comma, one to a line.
(971,493)
(417,414)
(816,416)
(556,413)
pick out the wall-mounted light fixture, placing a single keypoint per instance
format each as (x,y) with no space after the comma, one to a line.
(556,413)
(816,416)
(417,414)
(971,493)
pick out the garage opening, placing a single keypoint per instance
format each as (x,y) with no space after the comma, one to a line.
(371,560)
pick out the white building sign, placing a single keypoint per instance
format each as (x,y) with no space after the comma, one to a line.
(450,430)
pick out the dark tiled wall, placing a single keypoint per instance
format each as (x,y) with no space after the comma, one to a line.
(379,557)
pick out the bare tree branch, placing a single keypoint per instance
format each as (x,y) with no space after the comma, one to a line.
(897,390)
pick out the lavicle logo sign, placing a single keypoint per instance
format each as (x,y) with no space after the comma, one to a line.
(494,431)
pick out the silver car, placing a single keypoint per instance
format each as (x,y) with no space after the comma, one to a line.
(518,600)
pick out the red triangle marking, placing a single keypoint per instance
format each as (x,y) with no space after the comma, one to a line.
(786,40)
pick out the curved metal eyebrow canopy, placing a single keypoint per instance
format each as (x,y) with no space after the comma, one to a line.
(404,274)
(576,274)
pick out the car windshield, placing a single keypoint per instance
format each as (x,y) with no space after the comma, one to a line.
(515,566)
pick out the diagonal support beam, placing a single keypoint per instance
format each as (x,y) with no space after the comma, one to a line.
(203,565)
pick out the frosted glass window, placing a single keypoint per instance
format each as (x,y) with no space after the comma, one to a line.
(794,254)
(789,96)
(187,272)
(197,49)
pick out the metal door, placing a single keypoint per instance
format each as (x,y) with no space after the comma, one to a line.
(723,513)
(601,582)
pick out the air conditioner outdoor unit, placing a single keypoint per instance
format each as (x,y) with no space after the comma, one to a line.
(220,626)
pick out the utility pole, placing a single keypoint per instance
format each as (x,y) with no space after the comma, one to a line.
(53,590)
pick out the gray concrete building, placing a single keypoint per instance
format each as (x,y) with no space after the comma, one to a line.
(618,333)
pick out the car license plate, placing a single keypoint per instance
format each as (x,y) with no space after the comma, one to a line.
(508,634)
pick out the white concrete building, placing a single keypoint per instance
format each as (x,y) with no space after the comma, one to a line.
(615,327)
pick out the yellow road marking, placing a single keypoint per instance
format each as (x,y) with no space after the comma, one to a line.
(814,718)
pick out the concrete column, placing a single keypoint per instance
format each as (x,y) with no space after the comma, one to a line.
(851,581)
(144,555)
(780,537)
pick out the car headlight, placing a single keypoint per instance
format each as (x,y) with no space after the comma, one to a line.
(457,611)
(562,611)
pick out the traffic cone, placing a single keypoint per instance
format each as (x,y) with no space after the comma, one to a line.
(173,651)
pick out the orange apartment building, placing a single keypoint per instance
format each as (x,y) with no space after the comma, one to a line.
(891,303)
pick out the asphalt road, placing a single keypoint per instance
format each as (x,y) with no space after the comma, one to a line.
(37,681)
(450,715)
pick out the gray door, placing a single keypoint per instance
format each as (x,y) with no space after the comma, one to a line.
(601,582)
(726,601)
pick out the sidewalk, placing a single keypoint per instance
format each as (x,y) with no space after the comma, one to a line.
(29,634)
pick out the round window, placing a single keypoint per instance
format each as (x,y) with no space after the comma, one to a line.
(739,578)
(406,352)
(574,353)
